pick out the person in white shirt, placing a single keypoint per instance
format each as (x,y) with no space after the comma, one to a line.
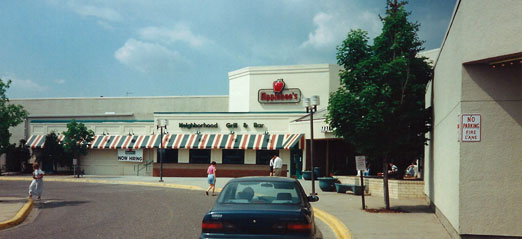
(278,165)
(36,186)
(272,166)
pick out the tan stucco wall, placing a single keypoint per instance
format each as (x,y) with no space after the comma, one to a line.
(490,169)
(125,108)
(250,156)
(476,186)
(105,162)
(316,79)
(442,158)
(273,123)
(488,28)
(216,155)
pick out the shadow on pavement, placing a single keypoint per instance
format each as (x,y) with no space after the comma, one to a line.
(415,209)
(54,204)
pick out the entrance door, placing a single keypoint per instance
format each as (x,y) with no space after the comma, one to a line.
(296,163)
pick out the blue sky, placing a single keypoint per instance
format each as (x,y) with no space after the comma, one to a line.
(118,48)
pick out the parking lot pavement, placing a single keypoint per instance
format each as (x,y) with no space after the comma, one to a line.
(340,215)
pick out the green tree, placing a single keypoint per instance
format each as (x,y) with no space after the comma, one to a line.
(10,116)
(76,139)
(379,107)
(52,153)
(18,157)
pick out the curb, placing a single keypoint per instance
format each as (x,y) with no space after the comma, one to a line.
(337,226)
(19,217)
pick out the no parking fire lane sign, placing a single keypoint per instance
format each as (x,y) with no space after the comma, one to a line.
(471,127)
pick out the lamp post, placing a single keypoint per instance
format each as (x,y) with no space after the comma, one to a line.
(311,107)
(162,124)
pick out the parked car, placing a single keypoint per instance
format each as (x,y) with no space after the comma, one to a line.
(261,207)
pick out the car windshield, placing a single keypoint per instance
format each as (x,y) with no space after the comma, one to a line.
(260,193)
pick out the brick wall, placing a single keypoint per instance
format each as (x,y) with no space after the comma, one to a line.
(398,189)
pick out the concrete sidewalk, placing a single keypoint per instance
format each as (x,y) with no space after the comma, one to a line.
(340,215)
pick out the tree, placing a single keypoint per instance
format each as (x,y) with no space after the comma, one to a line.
(10,116)
(52,153)
(76,139)
(379,107)
(18,157)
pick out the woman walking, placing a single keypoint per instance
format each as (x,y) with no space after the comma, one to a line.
(36,186)
(211,171)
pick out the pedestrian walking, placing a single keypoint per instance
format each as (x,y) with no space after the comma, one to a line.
(211,171)
(278,165)
(272,166)
(36,186)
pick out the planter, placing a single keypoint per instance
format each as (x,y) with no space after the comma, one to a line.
(327,184)
(307,175)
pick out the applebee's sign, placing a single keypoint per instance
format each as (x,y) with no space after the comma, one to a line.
(279,94)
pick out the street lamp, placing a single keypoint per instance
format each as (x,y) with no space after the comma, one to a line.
(311,107)
(162,124)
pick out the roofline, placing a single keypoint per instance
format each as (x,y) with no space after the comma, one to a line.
(121,97)
(91,121)
(249,112)
(447,32)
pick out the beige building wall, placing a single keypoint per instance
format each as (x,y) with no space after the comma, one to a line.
(105,162)
(490,169)
(316,79)
(476,185)
(112,108)
(250,156)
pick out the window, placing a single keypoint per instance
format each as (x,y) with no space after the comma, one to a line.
(264,156)
(233,156)
(169,155)
(199,156)
(260,192)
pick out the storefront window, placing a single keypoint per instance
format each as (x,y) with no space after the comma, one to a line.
(169,155)
(264,156)
(233,156)
(199,156)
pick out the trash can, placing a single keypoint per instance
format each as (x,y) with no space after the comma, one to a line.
(317,172)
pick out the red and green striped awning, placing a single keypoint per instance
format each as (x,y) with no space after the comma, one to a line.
(38,141)
(188,141)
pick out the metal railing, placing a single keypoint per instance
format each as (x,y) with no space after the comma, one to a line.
(144,165)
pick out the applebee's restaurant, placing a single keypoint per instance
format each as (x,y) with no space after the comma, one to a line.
(262,116)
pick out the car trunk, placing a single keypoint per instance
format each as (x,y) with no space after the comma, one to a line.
(259,218)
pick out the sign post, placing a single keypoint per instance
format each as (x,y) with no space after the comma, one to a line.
(360,163)
(75,166)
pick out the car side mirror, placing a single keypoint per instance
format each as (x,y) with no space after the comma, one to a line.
(313,198)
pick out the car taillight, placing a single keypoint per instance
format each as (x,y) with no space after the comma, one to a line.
(299,227)
(211,226)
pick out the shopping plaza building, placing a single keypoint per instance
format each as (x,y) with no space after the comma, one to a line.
(473,158)
(262,116)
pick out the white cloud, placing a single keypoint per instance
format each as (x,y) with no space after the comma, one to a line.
(59,81)
(331,28)
(324,33)
(149,57)
(179,32)
(108,14)
(25,85)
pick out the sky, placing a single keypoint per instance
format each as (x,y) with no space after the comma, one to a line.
(134,48)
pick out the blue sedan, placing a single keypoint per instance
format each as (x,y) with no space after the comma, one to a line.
(261,207)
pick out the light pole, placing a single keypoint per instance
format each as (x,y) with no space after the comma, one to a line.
(311,107)
(162,124)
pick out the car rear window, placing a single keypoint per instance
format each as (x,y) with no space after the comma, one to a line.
(260,192)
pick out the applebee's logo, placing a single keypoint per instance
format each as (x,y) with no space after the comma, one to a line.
(279,86)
